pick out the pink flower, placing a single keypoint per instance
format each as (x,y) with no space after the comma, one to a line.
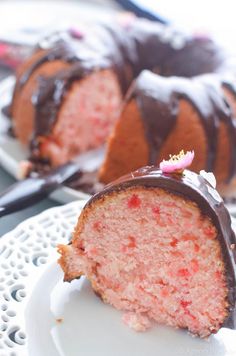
(177,163)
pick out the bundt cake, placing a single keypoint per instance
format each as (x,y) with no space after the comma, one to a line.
(164,115)
(158,246)
(68,95)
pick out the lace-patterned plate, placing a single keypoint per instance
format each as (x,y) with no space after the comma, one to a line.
(24,255)
(42,316)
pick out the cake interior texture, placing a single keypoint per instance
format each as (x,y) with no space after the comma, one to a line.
(154,255)
(89,117)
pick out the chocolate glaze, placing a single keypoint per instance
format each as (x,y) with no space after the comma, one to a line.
(68,48)
(60,51)
(51,91)
(158,99)
(169,51)
(141,45)
(193,187)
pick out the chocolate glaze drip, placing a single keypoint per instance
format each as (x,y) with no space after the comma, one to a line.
(97,47)
(158,99)
(141,45)
(63,46)
(51,92)
(195,188)
(61,50)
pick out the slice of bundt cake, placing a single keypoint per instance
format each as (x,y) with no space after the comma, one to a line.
(158,246)
(164,115)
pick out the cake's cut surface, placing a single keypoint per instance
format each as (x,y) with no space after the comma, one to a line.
(85,120)
(158,248)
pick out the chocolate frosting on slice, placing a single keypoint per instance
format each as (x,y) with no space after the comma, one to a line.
(158,99)
(195,188)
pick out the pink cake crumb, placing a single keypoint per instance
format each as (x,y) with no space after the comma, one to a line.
(154,270)
(138,322)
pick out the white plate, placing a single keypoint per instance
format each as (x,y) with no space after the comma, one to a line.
(12,152)
(42,316)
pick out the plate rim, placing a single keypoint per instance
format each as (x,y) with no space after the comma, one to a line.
(22,262)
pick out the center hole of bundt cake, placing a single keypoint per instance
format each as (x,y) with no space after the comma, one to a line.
(156,254)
